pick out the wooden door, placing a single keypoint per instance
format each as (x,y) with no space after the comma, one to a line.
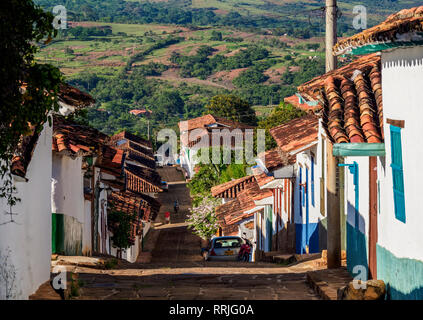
(372,217)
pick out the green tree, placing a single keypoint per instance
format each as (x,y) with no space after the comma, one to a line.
(233,108)
(121,226)
(28,90)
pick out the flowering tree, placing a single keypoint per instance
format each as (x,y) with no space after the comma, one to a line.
(203,219)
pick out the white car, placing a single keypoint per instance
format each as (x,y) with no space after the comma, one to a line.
(223,249)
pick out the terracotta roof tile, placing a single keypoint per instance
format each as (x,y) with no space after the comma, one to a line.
(142,180)
(24,152)
(127,203)
(232,188)
(233,211)
(74,139)
(74,97)
(297,133)
(295,101)
(205,123)
(110,160)
(125,135)
(352,100)
(25,149)
(400,27)
(276,158)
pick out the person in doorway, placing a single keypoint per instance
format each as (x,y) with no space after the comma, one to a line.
(167,217)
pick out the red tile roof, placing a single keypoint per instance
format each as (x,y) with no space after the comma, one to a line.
(352,100)
(295,101)
(74,97)
(205,123)
(393,29)
(24,152)
(297,133)
(276,158)
(233,211)
(142,180)
(232,188)
(137,112)
(110,160)
(25,149)
(73,139)
(125,135)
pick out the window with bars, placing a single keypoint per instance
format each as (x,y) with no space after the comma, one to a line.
(397,173)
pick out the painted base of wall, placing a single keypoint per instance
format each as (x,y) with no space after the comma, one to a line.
(66,235)
(403,277)
(323,234)
(357,251)
(301,238)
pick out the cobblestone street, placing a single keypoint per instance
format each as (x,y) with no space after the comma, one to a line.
(177,270)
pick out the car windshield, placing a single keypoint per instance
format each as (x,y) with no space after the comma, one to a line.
(227,243)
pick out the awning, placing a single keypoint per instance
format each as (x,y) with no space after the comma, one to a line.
(359,149)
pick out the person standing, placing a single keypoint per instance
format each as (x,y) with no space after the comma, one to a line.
(176,206)
(167,217)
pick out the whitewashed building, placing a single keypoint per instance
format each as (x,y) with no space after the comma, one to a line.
(371,115)
(197,133)
(25,233)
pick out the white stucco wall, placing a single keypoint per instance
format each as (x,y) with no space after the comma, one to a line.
(29,238)
(304,160)
(363,192)
(402,79)
(69,191)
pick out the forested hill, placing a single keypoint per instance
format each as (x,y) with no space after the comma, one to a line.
(297,18)
(168,59)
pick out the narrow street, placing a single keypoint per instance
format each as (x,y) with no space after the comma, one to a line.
(177,270)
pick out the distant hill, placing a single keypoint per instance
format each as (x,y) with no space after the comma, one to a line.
(297,18)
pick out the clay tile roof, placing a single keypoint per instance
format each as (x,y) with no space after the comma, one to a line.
(262,178)
(234,211)
(73,139)
(24,152)
(295,101)
(230,189)
(276,158)
(297,133)
(153,204)
(110,160)
(74,97)
(141,159)
(207,120)
(129,203)
(142,180)
(352,100)
(403,26)
(25,149)
(125,135)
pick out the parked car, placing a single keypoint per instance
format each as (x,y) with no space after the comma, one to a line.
(223,248)
(165,186)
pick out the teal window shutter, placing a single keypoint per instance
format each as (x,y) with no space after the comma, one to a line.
(397,173)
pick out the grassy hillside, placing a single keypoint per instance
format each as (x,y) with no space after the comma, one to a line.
(172,56)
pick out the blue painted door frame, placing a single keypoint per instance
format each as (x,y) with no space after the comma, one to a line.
(354,171)
(307,211)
